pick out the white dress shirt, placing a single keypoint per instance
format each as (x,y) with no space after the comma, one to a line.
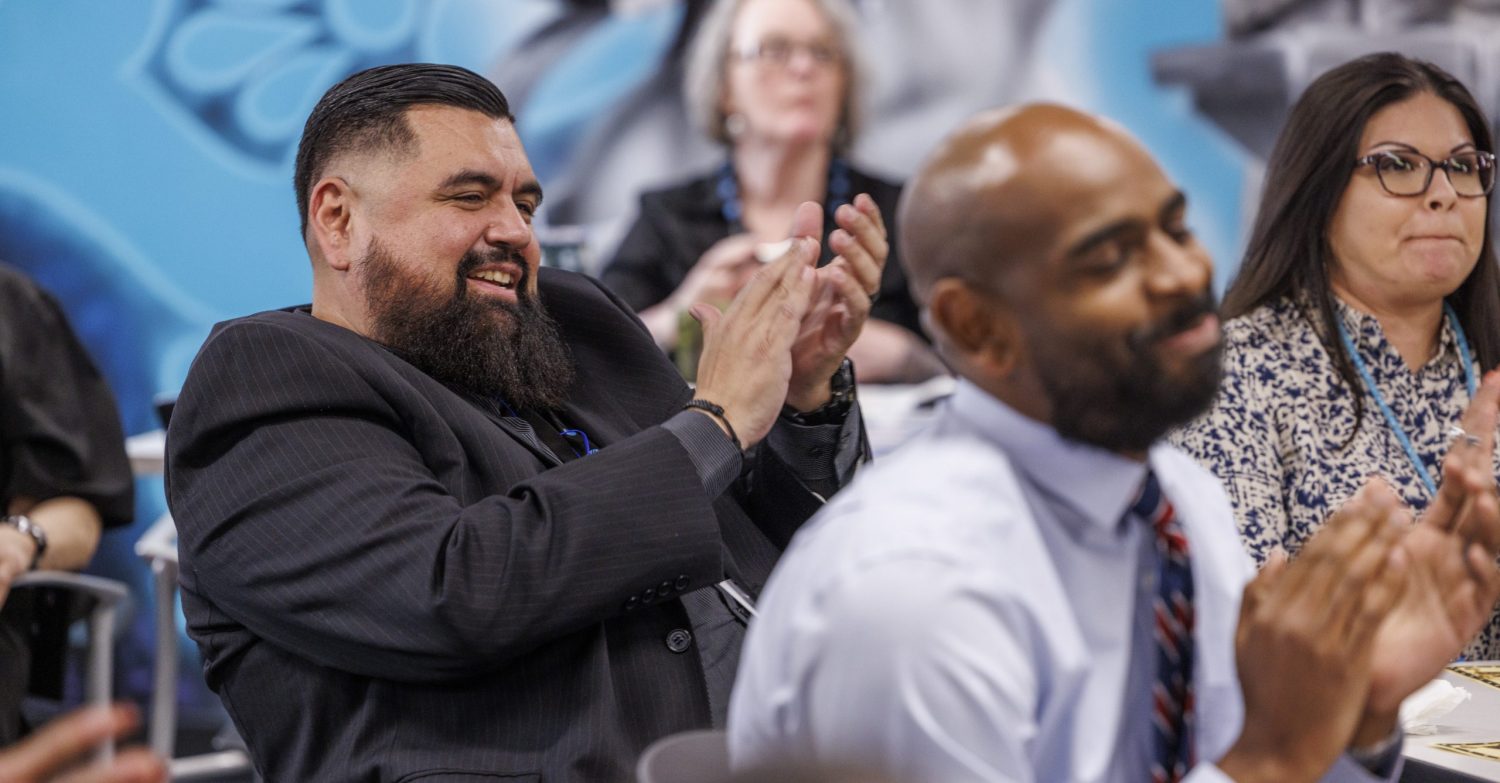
(973,608)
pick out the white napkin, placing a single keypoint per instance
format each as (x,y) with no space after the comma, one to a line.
(1420,711)
(766,252)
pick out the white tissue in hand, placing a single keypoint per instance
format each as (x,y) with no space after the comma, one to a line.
(1420,711)
(766,252)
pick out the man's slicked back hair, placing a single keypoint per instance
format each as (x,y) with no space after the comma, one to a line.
(367,112)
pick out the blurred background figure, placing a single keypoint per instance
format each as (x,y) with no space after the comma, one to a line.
(1366,308)
(778,84)
(602,131)
(1248,17)
(1274,49)
(63,478)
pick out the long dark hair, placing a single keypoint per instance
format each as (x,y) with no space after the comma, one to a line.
(1307,174)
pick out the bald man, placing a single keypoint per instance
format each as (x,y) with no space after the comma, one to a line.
(1037,588)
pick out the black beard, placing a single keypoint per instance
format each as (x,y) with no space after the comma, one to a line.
(1128,403)
(495,349)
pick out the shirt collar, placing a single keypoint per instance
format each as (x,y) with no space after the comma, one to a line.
(1100,484)
(1367,334)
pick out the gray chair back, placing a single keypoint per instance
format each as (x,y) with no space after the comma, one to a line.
(99,599)
(686,757)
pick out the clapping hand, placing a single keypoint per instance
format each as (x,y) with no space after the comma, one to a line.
(845,290)
(720,273)
(1454,581)
(1303,643)
(747,359)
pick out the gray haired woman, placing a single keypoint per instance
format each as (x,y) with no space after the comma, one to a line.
(777,83)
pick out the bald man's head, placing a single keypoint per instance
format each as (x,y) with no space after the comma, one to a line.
(1051,258)
(994,191)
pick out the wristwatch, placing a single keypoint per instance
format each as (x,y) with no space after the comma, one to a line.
(841,386)
(24,524)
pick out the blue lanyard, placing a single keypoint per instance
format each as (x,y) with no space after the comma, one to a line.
(727,188)
(588,448)
(1385,409)
(567,432)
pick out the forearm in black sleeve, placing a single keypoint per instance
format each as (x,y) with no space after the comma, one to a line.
(796,469)
(307,515)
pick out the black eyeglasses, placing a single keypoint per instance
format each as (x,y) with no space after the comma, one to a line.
(1405,173)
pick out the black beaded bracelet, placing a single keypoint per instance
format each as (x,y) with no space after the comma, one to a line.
(718,412)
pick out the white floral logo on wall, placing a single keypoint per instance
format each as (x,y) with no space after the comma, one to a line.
(251,70)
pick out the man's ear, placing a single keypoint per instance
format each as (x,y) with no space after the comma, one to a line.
(977,327)
(329,221)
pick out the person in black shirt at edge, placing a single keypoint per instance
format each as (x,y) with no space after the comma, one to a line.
(64,478)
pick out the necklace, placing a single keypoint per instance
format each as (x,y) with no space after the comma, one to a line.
(1385,409)
(727,188)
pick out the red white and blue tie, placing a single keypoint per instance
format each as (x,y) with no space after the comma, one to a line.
(1172,692)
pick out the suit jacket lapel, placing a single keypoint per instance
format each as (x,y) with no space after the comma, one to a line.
(523,436)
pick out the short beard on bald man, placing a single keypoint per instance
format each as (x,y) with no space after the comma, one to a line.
(1126,401)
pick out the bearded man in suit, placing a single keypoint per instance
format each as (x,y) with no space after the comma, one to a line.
(459,518)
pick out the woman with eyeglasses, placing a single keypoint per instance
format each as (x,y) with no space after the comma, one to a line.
(777,83)
(1367,307)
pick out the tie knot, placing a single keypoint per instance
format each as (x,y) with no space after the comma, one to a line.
(1153,508)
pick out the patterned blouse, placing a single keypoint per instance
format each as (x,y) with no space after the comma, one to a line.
(1276,434)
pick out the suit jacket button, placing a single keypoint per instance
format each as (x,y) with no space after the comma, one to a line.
(679,641)
(632,603)
(682,582)
(648,594)
(665,588)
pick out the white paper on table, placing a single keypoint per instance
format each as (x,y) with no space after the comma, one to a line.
(1421,710)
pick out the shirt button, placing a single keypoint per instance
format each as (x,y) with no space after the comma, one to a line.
(679,641)
(682,582)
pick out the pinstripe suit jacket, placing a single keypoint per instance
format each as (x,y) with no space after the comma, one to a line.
(386,583)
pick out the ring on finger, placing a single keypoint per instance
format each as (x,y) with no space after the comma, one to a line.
(1455,432)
